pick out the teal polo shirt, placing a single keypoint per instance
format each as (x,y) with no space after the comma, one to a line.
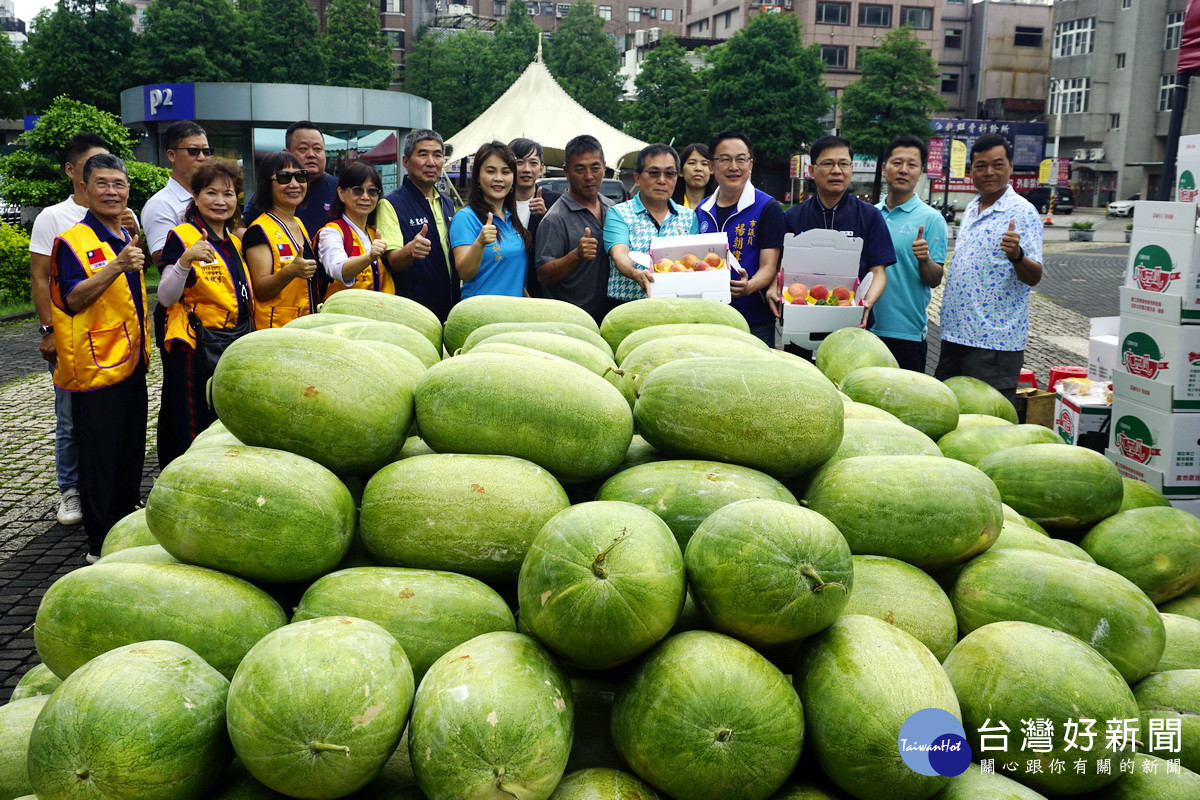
(900,312)
(630,224)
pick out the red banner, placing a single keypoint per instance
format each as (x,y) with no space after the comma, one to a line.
(1189,47)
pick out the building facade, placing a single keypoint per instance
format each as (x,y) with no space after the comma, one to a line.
(1009,59)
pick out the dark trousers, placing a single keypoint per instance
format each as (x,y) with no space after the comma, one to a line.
(184,411)
(909,354)
(999,368)
(110,429)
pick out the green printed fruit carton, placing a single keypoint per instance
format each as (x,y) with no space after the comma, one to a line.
(1157,447)
(1162,264)
(1158,364)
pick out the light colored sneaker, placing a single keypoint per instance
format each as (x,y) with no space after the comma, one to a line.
(69,510)
(92,558)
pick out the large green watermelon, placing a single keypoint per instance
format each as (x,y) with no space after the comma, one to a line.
(1151,778)
(474,514)
(387,308)
(569,329)
(769,572)
(975,784)
(1188,605)
(726,332)
(1140,495)
(1085,600)
(217,434)
(602,583)
(1057,484)
(629,317)
(147,553)
(261,514)
(916,398)
(318,706)
(1008,672)
(130,530)
(980,421)
(492,718)
(705,717)
(848,349)
(145,720)
(475,312)
(16,726)
(855,410)
(600,783)
(973,444)
(583,353)
(904,596)
(1157,548)
(648,356)
(401,336)
(1182,647)
(716,408)
(37,681)
(427,612)
(1171,695)
(977,397)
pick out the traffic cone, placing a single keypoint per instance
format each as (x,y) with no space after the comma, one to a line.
(1049,217)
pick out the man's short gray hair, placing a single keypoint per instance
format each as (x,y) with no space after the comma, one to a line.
(102,161)
(419,135)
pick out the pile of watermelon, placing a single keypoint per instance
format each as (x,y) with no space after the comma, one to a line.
(524,556)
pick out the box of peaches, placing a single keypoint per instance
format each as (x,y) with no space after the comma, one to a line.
(698,265)
(818,282)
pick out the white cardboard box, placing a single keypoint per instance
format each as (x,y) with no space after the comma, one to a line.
(1083,424)
(1102,348)
(1188,504)
(1187,169)
(1162,263)
(821,257)
(711,284)
(1156,442)
(1159,364)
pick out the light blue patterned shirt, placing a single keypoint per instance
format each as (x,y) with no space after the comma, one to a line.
(985,304)
(630,224)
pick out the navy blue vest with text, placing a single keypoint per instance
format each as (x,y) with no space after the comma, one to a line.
(741,229)
(428,281)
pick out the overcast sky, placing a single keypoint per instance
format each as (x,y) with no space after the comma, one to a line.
(28,9)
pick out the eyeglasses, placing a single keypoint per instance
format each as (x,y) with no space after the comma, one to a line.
(283,177)
(655,174)
(104,186)
(194,152)
(842,165)
(370,191)
(724,161)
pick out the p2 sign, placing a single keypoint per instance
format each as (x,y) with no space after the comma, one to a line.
(169,101)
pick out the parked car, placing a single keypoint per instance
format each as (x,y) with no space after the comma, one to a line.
(1123,208)
(554,188)
(1064,201)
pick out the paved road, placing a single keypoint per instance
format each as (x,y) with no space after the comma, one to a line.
(35,550)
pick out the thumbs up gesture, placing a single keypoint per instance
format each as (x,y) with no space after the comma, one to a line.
(587,245)
(920,247)
(536,204)
(131,259)
(129,221)
(488,233)
(1010,243)
(202,251)
(378,247)
(420,244)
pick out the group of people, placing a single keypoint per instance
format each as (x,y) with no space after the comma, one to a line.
(305,234)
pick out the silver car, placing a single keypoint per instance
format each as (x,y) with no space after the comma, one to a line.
(1123,208)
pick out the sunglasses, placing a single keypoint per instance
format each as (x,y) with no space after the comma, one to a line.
(194,152)
(358,191)
(283,177)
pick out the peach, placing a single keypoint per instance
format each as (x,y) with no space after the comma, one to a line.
(845,303)
(841,293)
(679,267)
(689,261)
(819,292)
(799,300)
(664,265)
(798,290)
(714,260)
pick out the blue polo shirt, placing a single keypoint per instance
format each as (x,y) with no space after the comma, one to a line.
(901,310)
(503,264)
(71,272)
(852,217)
(630,224)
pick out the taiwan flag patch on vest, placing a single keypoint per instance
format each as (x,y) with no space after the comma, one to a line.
(96,258)
(285,251)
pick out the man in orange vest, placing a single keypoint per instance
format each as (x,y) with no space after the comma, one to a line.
(101,335)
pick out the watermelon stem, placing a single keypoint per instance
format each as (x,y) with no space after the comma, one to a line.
(321,747)
(810,573)
(724,735)
(499,772)
(598,564)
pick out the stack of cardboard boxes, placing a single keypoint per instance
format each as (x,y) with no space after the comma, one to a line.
(1155,426)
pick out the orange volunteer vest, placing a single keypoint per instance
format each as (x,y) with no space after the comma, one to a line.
(296,299)
(374,277)
(213,296)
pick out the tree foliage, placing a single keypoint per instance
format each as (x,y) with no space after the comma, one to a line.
(190,41)
(281,44)
(12,76)
(455,75)
(514,45)
(585,62)
(80,48)
(358,52)
(671,98)
(765,83)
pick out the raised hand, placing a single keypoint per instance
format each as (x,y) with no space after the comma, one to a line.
(378,248)
(536,204)
(420,244)
(201,251)
(131,259)
(489,232)
(587,245)
(129,221)
(301,267)
(920,247)
(1010,243)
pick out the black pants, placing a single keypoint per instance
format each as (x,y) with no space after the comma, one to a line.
(999,368)
(184,411)
(909,354)
(110,429)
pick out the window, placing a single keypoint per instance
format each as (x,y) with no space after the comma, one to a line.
(605,12)
(395,39)
(633,15)
(1114,122)
(391,6)
(953,39)
(1174,30)
(834,56)
(650,13)
(874,16)
(562,8)
(547,9)
(833,13)
(668,15)
(920,18)
(1126,3)
(499,8)
(1074,38)
(1120,61)
(949,83)
(1028,37)
(728,19)
(1070,95)
(1166,93)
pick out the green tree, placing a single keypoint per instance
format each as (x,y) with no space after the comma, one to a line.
(585,62)
(188,41)
(282,44)
(671,99)
(514,45)
(358,52)
(80,48)
(12,73)
(896,94)
(454,74)
(765,83)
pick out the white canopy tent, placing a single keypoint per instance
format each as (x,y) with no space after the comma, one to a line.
(536,107)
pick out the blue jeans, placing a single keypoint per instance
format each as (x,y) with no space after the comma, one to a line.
(765,331)
(66,454)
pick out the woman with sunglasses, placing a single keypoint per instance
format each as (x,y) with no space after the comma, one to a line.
(491,246)
(348,246)
(202,275)
(696,178)
(276,244)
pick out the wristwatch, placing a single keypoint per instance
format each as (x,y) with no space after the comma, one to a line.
(45,330)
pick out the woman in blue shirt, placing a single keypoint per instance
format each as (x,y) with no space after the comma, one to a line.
(490,244)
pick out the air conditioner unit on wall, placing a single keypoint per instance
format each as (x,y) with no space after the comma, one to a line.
(1097,154)
(639,38)
(1081,154)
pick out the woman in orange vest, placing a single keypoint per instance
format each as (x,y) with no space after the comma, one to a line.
(348,246)
(282,264)
(202,275)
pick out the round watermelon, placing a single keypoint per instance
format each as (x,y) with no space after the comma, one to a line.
(600,783)
(1157,548)
(17,719)
(916,398)
(848,349)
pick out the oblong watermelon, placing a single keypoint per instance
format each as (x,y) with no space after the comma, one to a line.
(216,434)
(318,706)
(1151,778)
(37,681)
(1021,671)
(492,718)
(646,357)
(629,317)
(90,611)
(1085,600)
(681,728)
(145,554)
(581,352)
(848,349)
(977,420)
(713,408)
(977,397)
(168,706)
(1188,606)
(260,514)
(973,444)
(904,596)
(473,514)
(1056,484)
(475,312)
(17,719)
(1182,648)
(1157,548)
(130,530)
(1172,695)
(686,329)
(402,336)
(916,398)
(1140,495)
(587,334)
(975,784)
(854,410)
(387,308)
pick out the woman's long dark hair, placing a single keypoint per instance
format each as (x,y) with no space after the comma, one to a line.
(681,184)
(478,202)
(355,175)
(265,176)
